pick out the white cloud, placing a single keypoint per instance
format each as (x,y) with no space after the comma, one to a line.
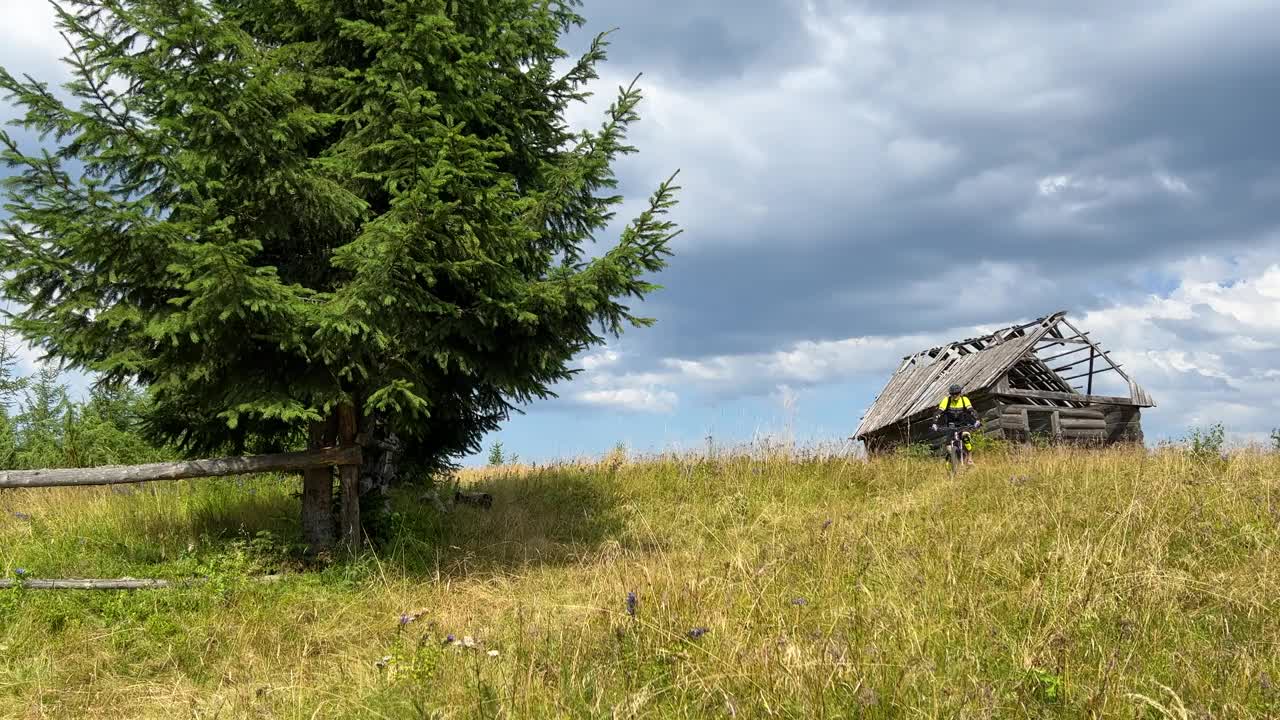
(29,26)
(602,359)
(779,372)
(634,399)
(1207,352)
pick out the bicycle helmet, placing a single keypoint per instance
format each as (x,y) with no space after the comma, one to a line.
(956,389)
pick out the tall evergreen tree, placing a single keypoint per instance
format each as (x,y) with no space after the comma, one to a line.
(261,210)
(10,382)
(10,385)
(43,415)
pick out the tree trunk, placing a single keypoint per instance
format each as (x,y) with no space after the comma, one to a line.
(317,494)
(380,471)
(349,476)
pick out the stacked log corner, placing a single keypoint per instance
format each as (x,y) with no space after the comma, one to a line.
(1123,424)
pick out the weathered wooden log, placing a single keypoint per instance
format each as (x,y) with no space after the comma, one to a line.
(1068,423)
(1078,412)
(1073,397)
(349,475)
(479,499)
(112,584)
(1013,421)
(218,467)
(317,493)
(1084,433)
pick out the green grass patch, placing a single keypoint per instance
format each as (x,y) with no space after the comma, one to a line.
(1039,584)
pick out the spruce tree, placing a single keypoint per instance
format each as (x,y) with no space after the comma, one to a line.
(262,210)
(10,385)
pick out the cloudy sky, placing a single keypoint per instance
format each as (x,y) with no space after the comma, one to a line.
(864,179)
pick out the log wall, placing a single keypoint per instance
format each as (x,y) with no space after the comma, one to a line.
(1008,419)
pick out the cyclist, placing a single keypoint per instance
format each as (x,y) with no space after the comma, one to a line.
(955,409)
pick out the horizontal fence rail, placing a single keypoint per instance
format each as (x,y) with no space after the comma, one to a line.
(113,583)
(216,467)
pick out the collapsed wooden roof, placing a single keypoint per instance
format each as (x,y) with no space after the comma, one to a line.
(979,363)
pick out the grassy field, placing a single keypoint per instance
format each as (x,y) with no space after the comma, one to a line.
(1038,584)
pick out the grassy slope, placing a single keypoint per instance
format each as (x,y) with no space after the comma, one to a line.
(1100,580)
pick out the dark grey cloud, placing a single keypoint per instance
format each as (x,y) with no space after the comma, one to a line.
(952,164)
(698,40)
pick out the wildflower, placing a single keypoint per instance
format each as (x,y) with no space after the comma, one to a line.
(799,601)
(405,618)
(826,524)
(697,632)
(868,697)
(383,661)
(493,653)
(631,604)
(449,640)
(19,571)
(22,516)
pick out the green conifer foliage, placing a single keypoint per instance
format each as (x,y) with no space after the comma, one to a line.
(260,209)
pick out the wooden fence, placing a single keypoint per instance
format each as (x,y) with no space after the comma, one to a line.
(346,457)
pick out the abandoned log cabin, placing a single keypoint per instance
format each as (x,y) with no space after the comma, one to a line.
(1042,379)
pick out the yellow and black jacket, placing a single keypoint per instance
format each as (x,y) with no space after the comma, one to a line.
(957,411)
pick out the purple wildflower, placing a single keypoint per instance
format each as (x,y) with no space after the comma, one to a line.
(631,604)
(799,601)
(405,619)
(20,571)
(22,516)
(697,632)
(449,639)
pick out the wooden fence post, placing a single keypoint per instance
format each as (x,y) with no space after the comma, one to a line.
(317,494)
(350,478)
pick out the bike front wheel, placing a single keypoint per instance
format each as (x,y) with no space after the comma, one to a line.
(953,459)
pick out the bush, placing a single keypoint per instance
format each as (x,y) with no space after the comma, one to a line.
(41,426)
(983,443)
(1204,444)
(915,451)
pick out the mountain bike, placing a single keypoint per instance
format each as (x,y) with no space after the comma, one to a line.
(957,455)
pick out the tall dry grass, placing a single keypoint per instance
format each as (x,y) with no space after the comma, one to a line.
(776,583)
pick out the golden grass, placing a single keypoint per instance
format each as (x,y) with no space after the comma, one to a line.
(1057,583)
